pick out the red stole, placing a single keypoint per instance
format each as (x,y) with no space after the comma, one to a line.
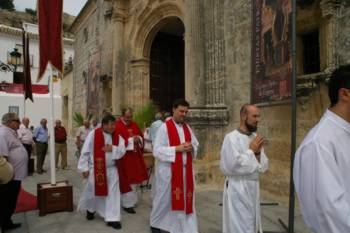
(177,185)
(131,167)
(101,185)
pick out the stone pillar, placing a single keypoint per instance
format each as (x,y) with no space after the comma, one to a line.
(137,84)
(215,53)
(330,9)
(194,56)
(118,95)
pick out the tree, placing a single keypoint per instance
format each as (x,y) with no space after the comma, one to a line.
(30,11)
(7,5)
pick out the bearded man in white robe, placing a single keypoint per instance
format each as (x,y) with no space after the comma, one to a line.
(97,162)
(175,146)
(322,163)
(242,160)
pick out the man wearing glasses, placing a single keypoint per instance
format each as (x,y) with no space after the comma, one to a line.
(14,152)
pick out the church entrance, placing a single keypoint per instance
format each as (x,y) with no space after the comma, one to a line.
(167,59)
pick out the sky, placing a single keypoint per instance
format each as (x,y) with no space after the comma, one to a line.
(71,7)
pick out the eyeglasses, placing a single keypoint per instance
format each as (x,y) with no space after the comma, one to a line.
(17,120)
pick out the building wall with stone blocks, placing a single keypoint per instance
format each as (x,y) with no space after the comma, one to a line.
(217,70)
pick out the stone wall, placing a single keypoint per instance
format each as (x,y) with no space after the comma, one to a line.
(217,70)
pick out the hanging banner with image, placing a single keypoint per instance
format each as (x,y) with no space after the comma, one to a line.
(271,52)
(94,71)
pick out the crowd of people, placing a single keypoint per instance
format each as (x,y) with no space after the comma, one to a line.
(111,159)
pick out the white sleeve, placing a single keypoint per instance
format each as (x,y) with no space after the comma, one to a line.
(264,162)
(86,152)
(119,151)
(161,148)
(234,163)
(195,144)
(319,183)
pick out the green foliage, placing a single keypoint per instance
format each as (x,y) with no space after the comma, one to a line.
(145,116)
(78,119)
(7,5)
(30,11)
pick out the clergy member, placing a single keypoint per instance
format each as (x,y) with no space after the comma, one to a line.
(132,169)
(242,160)
(322,164)
(97,162)
(175,147)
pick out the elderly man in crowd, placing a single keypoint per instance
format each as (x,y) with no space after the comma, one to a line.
(13,150)
(41,138)
(25,135)
(60,144)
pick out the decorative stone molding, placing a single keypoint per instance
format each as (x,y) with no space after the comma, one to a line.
(152,22)
(330,7)
(306,84)
(119,14)
(208,116)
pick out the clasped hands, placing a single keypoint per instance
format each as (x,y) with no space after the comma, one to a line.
(256,145)
(184,147)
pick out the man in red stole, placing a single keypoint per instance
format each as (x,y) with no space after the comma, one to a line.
(132,169)
(101,149)
(175,147)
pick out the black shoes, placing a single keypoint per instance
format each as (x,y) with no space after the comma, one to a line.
(155,230)
(90,215)
(10,226)
(130,210)
(115,225)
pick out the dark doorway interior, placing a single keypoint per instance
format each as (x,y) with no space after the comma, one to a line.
(167,69)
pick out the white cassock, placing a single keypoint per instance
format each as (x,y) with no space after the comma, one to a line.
(321,175)
(241,198)
(162,216)
(107,207)
(130,199)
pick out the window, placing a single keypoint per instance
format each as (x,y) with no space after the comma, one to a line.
(85,35)
(311,52)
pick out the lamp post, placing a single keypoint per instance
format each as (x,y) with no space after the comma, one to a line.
(15,59)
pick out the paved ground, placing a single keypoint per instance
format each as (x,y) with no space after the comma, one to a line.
(207,205)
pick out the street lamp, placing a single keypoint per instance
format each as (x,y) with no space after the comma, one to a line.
(15,58)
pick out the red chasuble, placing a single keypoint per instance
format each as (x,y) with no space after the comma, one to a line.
(131,168)
(177,179)
(101,185)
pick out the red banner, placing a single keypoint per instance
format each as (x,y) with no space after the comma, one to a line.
(50,35)
(18,88)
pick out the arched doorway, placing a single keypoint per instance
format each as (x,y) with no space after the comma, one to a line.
(167,60)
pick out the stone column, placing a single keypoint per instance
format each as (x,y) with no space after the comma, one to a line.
(194,56)
(330,9)
(137,84)
(215,53)
(119,17)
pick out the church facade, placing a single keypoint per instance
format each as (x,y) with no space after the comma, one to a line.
(132,52)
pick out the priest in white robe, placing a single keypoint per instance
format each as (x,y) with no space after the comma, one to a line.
(242,160)
(322,163)
(173,207)
(97,162)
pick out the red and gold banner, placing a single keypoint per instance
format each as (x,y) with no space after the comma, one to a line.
(50,35)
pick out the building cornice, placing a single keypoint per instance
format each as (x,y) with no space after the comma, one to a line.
(88,9)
